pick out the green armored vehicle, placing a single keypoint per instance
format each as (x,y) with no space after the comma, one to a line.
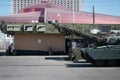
(104,55)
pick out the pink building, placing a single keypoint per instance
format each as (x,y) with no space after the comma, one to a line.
(44,12)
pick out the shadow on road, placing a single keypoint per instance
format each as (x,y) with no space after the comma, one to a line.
(59,58)
(81,65)
(86,65)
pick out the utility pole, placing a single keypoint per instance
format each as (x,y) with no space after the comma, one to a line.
(93,16)
(73,20)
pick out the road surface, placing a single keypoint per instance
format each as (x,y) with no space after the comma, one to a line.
(52,68)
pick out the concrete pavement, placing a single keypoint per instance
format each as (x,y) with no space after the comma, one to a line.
(52,68)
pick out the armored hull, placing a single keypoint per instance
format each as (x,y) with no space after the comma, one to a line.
(104,55)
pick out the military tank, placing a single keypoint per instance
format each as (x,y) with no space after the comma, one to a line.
(107,55)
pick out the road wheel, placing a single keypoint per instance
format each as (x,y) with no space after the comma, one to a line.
(112,62)
(99,63)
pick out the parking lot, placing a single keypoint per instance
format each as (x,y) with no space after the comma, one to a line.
(52,68)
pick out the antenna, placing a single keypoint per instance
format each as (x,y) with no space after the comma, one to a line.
(93,15)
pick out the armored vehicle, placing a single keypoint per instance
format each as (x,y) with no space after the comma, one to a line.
(99,50)
(34,39)
(104,55)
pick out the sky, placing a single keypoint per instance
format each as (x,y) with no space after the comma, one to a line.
(109,7)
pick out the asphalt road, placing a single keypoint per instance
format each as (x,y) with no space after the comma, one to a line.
(52,68)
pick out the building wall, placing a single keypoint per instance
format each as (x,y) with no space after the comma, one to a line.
(63,16)
(39,42)
(75,5)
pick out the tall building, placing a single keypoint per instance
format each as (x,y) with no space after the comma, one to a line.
(16,5)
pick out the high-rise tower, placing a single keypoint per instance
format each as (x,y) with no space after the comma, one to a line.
(16,5)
